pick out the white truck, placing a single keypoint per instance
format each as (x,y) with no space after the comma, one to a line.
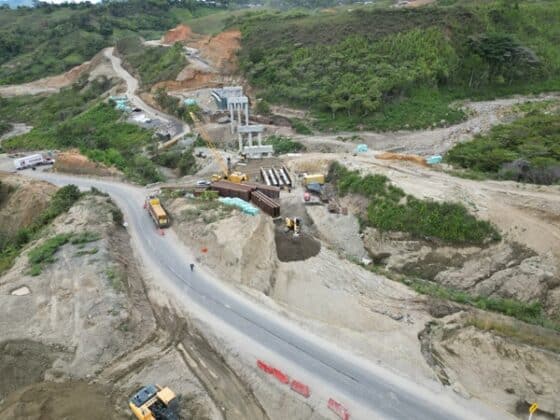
(32,161)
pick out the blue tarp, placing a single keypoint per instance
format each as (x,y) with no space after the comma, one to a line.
(241,204)
(433,160)
(190,101)
(361,148)
(121,103)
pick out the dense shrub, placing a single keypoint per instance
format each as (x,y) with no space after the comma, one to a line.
(390,209)
(152,64)
(400,68)
(282,145)
(525,150)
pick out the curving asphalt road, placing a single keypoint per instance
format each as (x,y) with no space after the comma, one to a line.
(137,101)
(371,388)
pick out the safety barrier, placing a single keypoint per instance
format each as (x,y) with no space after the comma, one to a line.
(281,376)
(300,388)
(296,386)
(338,409)
(264,367)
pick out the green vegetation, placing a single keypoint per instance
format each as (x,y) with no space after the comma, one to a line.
(84,237)
(10,247)
(44,254)
(400,68)
(90,251)
(528,312)
(174,106)
(116,279)
(390,209)
(49,39)
(283,145)
(45,111)
(5,127)
(97,131)
(152,64)
(184,161)
(300,127)
(526,150)
(521,333)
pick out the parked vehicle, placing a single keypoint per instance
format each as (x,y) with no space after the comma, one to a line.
(31,161)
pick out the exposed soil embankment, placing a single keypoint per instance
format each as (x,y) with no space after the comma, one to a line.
(21,201)
(86,317)
(498,359)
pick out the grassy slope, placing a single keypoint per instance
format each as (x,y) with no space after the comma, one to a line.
(74,118)
(393,60)
(152,64)
(48,40)
(534,139)
(390,209)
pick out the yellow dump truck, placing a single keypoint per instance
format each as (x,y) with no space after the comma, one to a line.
(157,212)
(313,179)
(153,402)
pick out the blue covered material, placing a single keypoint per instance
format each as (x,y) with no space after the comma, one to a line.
(434,160)
(121,103)
(245,207)
(190,101)
(361,148)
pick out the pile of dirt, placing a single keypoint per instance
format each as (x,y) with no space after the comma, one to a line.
(66,400)
(220,50)
(399,156)
(23,362)
(74,162)
(290,248)
(180,33)
(22,201)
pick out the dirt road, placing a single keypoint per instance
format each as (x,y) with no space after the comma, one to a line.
(482,116)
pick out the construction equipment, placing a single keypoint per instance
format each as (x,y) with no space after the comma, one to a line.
(313,179)
(227,174)
(157,212)
(153,402)
(294,224)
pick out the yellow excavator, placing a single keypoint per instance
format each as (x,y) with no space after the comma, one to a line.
(293,224)
(153,402)
(227,174)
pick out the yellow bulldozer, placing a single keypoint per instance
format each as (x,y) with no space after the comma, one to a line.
(227,174)
(294,224)
(153,402)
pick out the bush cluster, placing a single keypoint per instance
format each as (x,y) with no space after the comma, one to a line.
(390,209)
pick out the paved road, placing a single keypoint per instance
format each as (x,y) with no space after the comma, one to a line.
(372,389)
(137,101)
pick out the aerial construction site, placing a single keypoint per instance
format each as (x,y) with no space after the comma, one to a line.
(206,254)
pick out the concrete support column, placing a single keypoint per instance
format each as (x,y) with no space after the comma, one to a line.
(259,138)
(246,114)
(250,139)
(239,114)
(231,116)
(240,140)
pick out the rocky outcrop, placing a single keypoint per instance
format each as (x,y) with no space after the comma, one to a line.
(506,270)
(467,353)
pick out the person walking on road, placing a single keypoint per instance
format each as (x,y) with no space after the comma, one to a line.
(192,267)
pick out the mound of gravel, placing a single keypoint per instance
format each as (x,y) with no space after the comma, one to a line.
(290,248)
